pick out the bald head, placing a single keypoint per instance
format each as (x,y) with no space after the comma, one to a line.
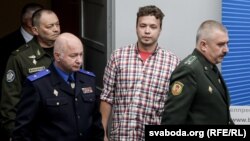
(65,41)
(68,52)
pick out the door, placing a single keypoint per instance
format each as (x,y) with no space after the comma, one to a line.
(90,20)
(95,37)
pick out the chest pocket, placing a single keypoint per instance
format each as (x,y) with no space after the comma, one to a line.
(56,102)
(58,107)
(88,97)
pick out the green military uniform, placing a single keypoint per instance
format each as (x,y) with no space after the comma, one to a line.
(26,60)
(197,95)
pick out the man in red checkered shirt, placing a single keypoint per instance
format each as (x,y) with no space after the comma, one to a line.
(136,80)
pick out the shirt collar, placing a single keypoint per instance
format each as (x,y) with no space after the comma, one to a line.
(137,49)
(63,74)
(27,37)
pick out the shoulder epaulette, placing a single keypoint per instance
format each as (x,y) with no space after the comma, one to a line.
(190,60)
(38,75)
(87,72)
(21,48)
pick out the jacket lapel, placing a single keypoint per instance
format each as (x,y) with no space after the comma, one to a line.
(211,74)
(59,83)
(66,88)
(223,83)
(213,78)
(79,85)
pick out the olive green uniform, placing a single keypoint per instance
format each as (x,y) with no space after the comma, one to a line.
(197,95)
(26,60)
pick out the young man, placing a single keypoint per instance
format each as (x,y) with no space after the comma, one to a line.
(198,93)
(136,80)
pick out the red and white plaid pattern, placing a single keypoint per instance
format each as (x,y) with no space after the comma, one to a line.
(137,90)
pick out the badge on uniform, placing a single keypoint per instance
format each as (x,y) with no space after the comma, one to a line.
(210,89)
(219,81)
(87,90)
(190,60)
(10,76)
(34,59)
(177,88)
(55,92)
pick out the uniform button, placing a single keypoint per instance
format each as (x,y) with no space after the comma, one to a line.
(80,134)
(57,103)
(76,99)
(78,117)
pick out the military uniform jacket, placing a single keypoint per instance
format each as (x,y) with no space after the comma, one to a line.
(9,43)
(26,60)
(50,110)
(197,95)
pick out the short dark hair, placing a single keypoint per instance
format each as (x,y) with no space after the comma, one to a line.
(30,7)
(37,15)
(150,10)
(206,28)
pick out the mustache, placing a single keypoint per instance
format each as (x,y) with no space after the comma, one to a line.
(224,54)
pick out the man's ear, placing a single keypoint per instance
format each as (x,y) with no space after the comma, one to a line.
(203,45)
(35,30)
(57,57)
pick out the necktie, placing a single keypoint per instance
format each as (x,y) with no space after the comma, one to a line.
(216,71)
(71,82)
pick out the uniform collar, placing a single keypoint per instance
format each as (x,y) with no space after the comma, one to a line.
(206,64)
(37,49)
(63,74)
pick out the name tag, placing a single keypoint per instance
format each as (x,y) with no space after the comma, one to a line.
(36,69)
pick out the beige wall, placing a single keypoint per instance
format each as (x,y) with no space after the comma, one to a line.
(10,12)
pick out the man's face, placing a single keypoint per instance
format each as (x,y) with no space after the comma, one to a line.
(148,30)
(72,58)
(217,47)
(48,29)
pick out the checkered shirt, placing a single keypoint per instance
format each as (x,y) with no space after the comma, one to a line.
(136,90)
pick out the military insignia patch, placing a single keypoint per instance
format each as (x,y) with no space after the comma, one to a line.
(190,60)
(10,76)
(177,88)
